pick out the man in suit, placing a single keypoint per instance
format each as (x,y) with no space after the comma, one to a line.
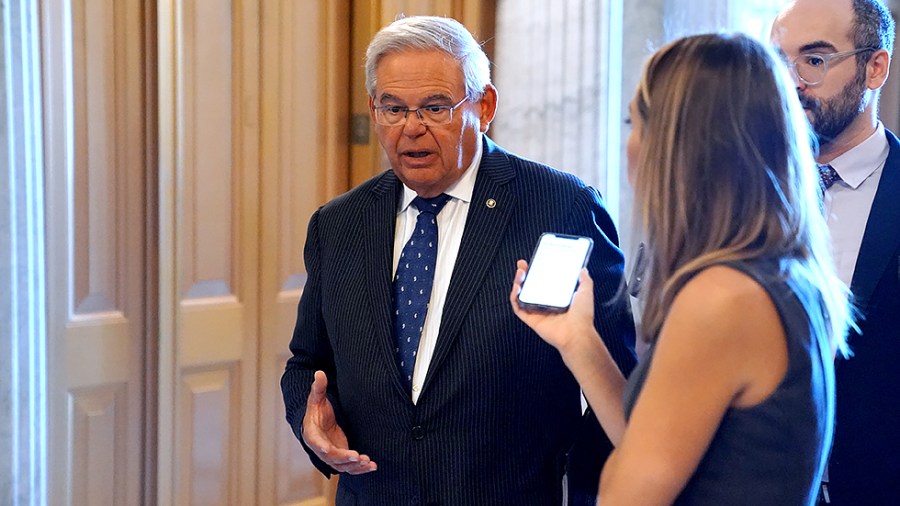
(480,410)
(840,52)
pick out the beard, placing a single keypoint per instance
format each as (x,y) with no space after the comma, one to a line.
(831,116)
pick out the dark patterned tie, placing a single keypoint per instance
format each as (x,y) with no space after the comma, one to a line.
(412,284)
(827,176)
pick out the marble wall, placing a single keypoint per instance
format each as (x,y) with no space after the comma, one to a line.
(551,67)
(643,33)
(566,72)
(647,26)
(549,102)
(6,303)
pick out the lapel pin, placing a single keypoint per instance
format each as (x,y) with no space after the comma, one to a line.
(491,203)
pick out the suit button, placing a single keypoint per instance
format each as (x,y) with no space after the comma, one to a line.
(418,433)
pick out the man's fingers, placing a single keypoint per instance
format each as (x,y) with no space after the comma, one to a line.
(361,467)
(340,459)
(333,455)
(317,390)
(337,456)
(346,461)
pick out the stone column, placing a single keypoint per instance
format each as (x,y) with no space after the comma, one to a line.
(556,67)
(22,313)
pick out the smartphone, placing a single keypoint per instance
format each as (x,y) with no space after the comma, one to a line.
(553,272)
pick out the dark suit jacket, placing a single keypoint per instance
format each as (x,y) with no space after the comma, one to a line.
(865,460)
(498,409)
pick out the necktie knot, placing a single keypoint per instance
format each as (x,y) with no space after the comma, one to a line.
(827,176)
(432,205)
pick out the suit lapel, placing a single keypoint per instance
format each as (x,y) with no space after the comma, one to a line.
(882,235)
(489,213)
(379,241)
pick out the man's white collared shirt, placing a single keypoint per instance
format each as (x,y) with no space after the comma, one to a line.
(848,201)
(451,223)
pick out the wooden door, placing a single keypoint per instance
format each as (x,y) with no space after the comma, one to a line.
(208,75)
(95,171)
(305,121)
(253,137)
(187,143)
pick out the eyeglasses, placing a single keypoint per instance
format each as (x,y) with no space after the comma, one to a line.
(430,115)
(810,68)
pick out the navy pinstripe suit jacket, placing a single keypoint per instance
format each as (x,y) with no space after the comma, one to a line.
(498,409)
(865,459)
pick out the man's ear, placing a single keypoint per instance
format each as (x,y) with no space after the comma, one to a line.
(877,69)
(488,106)
(372,109)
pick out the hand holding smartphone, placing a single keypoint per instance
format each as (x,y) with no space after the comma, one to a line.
(553,272)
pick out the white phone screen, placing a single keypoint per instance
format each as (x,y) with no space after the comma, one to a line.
(553,272)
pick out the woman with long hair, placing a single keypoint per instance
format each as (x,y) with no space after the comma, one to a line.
(733,403)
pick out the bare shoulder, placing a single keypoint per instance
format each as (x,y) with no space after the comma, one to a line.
(727,317)
(724,297)
(713,353)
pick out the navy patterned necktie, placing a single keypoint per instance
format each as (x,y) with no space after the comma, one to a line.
(412,284)
(827,176)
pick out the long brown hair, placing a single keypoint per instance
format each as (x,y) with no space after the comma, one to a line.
(725,172)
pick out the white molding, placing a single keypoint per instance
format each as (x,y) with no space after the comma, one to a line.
(22,262)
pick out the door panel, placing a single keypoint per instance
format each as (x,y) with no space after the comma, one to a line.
(208,100)
(305,121)
(94,134)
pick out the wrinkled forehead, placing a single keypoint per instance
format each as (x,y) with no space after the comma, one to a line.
(814,25)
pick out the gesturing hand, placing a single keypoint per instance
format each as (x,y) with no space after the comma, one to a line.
(327,440)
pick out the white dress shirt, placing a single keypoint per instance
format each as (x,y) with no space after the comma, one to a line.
(451,223)
(848,201)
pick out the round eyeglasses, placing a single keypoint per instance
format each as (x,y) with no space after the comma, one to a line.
(429,115)
(810,68)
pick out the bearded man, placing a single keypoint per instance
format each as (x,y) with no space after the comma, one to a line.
(839,52)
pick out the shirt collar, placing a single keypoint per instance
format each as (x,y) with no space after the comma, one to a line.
(460,190)
(862,160)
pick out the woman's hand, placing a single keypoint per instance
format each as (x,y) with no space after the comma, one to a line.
(558,329)
(582,349)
